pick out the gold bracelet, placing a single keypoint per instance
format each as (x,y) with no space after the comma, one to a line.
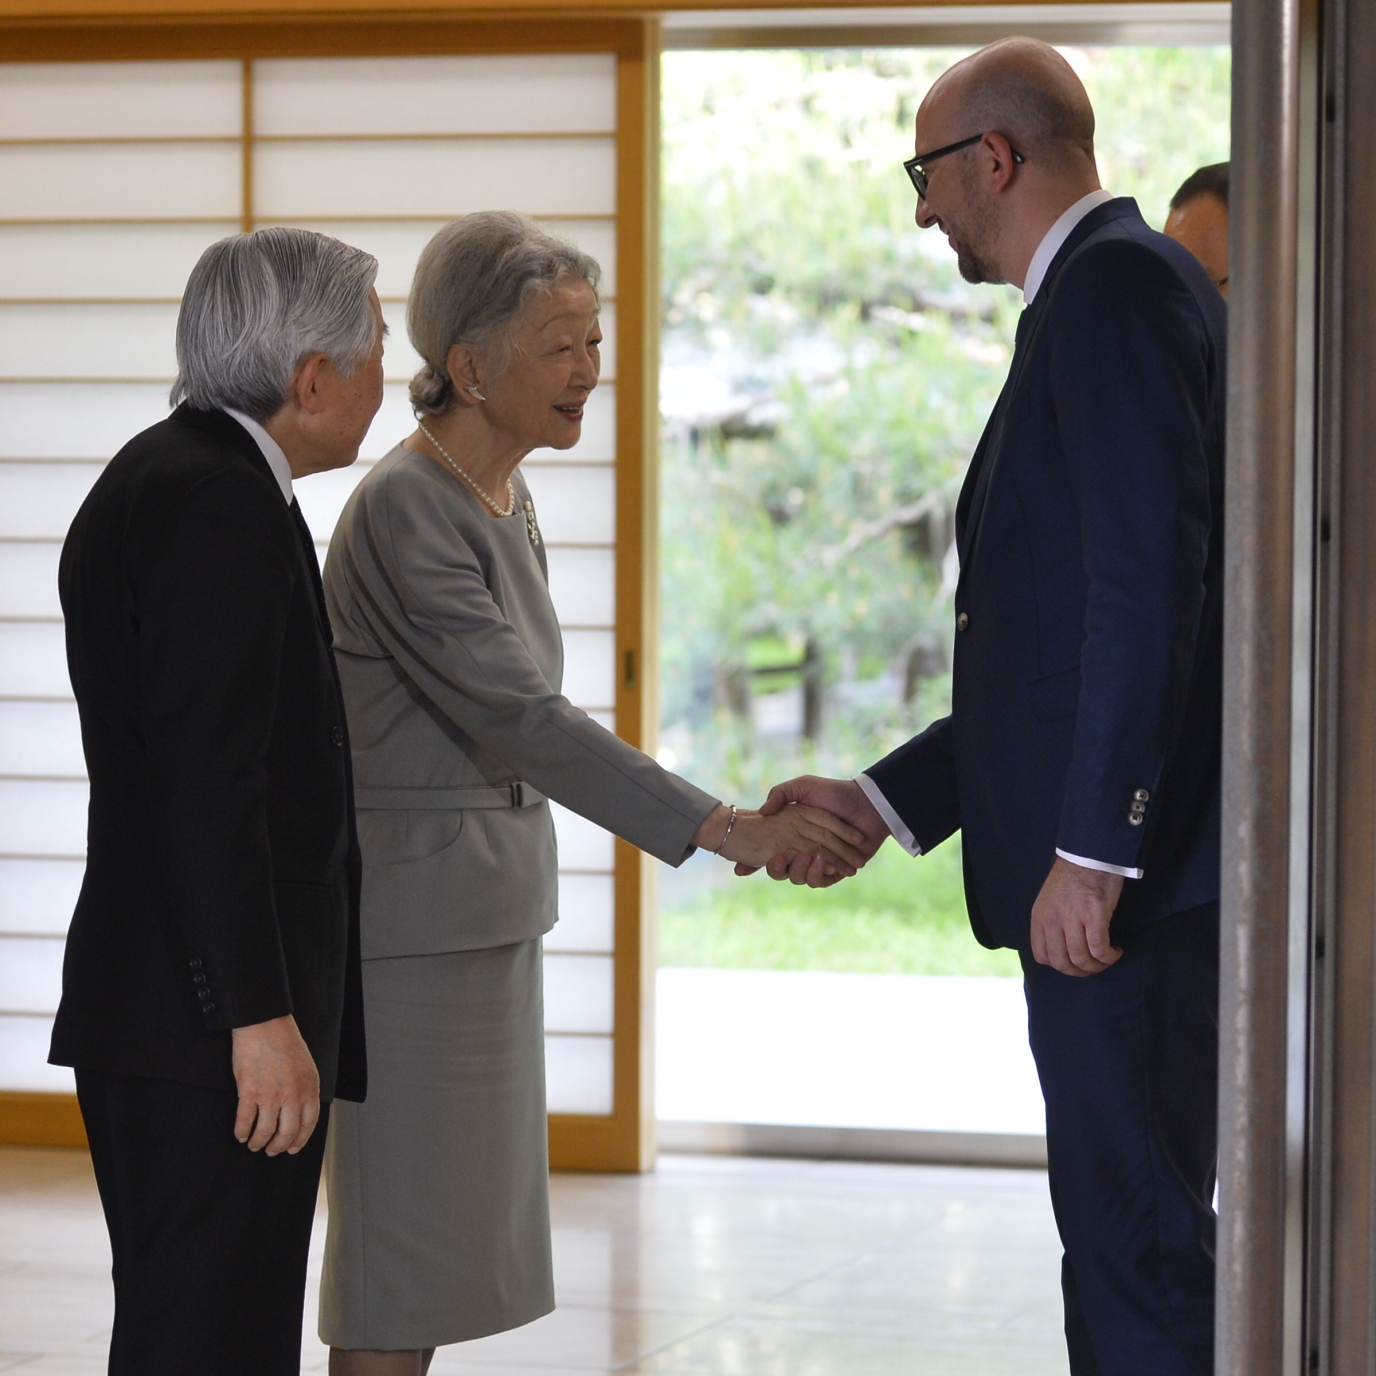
(727,837)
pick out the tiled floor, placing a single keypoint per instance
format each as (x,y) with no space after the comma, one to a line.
(727,1266)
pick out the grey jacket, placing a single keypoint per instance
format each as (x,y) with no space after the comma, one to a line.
(451,661)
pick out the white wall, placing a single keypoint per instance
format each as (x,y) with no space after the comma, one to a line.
(113,178)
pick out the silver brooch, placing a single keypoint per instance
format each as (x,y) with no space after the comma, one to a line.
(531,528)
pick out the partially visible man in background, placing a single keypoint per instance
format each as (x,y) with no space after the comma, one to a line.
(211,994)
(1199,220)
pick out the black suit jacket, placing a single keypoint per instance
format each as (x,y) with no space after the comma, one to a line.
(1086,710)
(221,884)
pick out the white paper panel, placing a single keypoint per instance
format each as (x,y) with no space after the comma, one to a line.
(142,181)
(38,500)
(436,95)
(582,583)
(575,503)
(33,660)
(607,319)
(578,1074)
(39,896)
(587,914)
(590,668)
(31,974)
(28,580)
(24,1055)
(64,420)
(606,720)
(436,178)
(78,341)
(400,362)
(393,422)
(40,817)
(39,739)
(598,444)
(582,844)
(119,100)
(578,993)
(40,261)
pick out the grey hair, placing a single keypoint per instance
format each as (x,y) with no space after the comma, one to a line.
(257,304)
(473,281)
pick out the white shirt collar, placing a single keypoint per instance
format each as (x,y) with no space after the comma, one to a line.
(1050,246)
(272,451)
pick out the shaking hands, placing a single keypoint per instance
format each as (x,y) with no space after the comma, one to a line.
(810,831)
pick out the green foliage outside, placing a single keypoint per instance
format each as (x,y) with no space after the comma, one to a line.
(827,375)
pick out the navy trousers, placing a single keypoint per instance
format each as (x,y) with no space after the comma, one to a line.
(1128,1062)
(209,1239)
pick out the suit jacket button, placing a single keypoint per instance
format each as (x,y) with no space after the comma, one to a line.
(962,622)
(337,735)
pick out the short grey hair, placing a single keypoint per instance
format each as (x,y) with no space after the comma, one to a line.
(257,304)
(473,281)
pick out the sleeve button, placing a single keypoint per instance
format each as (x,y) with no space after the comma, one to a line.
(207,1008)
(963,622)
(196,964)
(1142,796)
(337,735)
(198,979)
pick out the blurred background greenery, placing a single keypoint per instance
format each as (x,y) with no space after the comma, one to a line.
(826,375)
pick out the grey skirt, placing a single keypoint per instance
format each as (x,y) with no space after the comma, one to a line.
(438,1185)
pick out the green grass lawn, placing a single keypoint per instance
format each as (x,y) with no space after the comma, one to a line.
(897,916)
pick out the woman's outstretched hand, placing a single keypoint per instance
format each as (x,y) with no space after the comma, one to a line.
(791,831)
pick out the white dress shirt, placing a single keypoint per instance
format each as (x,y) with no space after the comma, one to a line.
(272,451)
(1047,250)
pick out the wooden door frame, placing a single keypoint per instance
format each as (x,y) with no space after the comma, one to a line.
(624,1139)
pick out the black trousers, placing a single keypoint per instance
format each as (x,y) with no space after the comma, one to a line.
(1128,1062)
(209,1239)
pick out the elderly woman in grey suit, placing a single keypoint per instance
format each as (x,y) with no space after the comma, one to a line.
(451,662)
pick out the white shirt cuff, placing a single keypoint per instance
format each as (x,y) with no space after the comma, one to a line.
(892,820)
(1099,865)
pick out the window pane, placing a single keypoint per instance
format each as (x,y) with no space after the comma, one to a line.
(39,261)
(119,100)
(436,178)
(28,580)
(40,739)
(436,95)
(583,845)
(33,660)
(63,420)
(30,974)
(590,668)
(578,1074)
(578,993)
(587,913)
(39,895)
(575,504)
(78,341)
(24,1056)
(150,181)
(43,817)
(582,583)
(38,500)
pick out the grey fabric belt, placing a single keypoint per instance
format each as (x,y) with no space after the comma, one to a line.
(514,794)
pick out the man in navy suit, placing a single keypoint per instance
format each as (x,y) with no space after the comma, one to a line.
(1082,755)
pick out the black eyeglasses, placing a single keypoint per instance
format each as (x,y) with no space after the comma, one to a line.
(915,169)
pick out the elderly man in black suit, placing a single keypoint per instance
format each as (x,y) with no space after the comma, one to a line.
(1081,759)
(211,1000)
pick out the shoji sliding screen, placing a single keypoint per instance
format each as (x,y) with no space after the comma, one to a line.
(113,178)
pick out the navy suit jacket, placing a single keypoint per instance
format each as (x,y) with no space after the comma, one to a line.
(1088,672)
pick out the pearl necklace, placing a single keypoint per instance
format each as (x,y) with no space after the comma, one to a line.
(444,454)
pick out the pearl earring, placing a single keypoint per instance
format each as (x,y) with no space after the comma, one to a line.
(473,391)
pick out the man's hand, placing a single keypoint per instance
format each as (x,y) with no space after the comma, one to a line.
(279,1087)
(843,798)
(1070,919)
